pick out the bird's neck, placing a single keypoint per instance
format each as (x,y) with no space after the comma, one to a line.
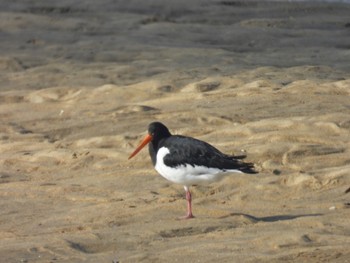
(153,149)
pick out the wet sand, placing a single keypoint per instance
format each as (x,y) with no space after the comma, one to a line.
(81,80)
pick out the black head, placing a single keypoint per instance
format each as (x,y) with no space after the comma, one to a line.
(158,131)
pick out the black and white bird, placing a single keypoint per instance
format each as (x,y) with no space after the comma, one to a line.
(188,161)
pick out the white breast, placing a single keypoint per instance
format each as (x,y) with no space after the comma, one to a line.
(188,175)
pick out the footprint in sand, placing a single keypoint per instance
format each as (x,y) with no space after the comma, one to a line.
(127,109)
(53,94)
(208,86)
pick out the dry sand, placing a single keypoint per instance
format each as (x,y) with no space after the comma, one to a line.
(81,80)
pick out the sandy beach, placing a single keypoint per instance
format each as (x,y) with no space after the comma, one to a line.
(81,80)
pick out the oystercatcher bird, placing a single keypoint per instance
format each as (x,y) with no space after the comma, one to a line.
(188,161)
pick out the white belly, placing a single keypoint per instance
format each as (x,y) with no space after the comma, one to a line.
(188,175)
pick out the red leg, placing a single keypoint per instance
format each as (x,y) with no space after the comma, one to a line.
(189,204)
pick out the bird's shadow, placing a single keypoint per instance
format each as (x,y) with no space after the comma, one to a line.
(273,218)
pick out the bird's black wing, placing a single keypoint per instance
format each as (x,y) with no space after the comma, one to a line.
(187,150)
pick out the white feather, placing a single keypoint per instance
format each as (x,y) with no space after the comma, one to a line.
(188,175)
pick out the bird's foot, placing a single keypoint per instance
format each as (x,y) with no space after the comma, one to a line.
(188,216)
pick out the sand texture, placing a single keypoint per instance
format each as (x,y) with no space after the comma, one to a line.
(81,80)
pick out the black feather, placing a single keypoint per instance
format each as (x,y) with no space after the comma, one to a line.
(186,150)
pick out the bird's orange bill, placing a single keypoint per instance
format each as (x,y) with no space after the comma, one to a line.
(144,142)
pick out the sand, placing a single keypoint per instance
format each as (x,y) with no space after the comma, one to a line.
(81,80)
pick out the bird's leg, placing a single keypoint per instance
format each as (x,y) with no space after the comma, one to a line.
(189,203)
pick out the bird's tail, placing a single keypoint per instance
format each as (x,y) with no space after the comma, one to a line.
(248,168)
(239,157)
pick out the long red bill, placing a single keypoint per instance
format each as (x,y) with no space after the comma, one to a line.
(144,142)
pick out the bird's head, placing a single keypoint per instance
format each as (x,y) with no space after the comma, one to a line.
(156,132)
